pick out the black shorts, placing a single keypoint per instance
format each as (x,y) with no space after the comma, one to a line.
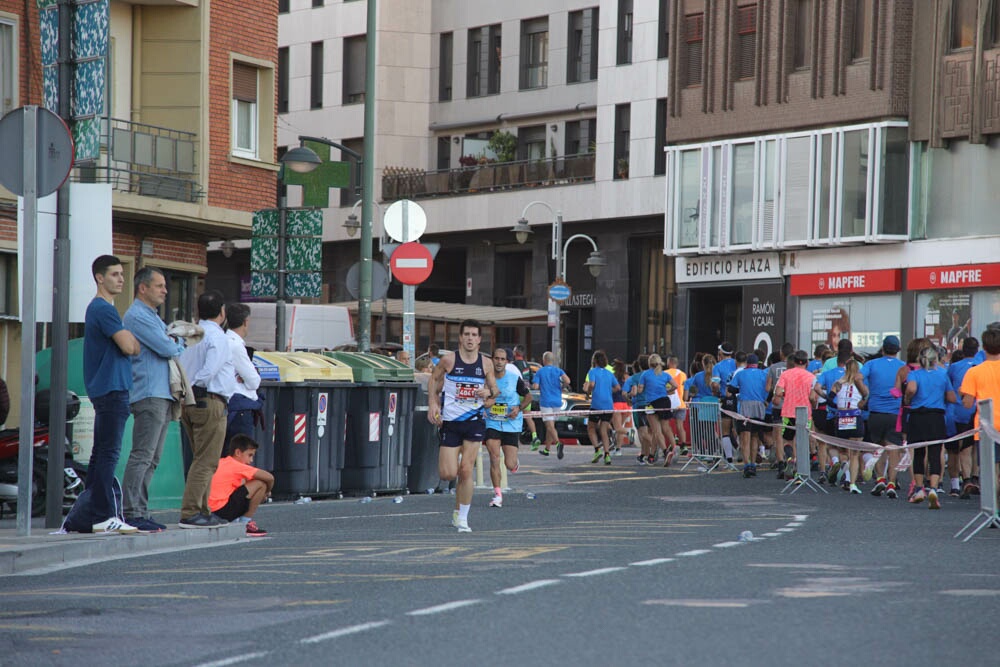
(964,443)
(825,425)
(856,431)
(925,425)
(602,417)
(788,432)
(237,505)
(453,434)
(662,407)
(506,438)
(882,428)
(748,427)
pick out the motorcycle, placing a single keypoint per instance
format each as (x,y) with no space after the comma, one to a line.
(74,474)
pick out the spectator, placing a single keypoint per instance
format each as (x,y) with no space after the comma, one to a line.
(244,405)
(238,488)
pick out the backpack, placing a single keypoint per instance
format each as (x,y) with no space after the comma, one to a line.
(81,517)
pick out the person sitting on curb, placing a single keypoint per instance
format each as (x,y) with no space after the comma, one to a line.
(238,488)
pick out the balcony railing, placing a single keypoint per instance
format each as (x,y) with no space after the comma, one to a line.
(407,183)
(147,160)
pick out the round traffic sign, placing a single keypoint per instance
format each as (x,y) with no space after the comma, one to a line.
(53,144)
(559,291)
(411,263)
(380,280)
(412,214)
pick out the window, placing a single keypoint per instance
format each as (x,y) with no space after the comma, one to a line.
(582,41)
(316,76)
(283,6)
(663,31)
(354,69)
(744,173)
(245,130)
(580,136)
(963,24)
(862,47)
(694,26)
(623,122)
(531,143)
(283,80)
(746,41)
(443,153)
(689,209)
(445,67)
(534,53)
(8,66)
(660,159)
(802,53)
(8,282)
(317,3)
(483,72)
(797,172)
(854,202)
(624,32)
(995,24)
(350,194)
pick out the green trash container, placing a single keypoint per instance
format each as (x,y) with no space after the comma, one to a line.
(380,414)
(422,473)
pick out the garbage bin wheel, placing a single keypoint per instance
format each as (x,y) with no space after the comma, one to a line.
(340,496)
(406,492)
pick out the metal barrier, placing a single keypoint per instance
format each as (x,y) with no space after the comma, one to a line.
(989,515)
(803,474)
(706,437)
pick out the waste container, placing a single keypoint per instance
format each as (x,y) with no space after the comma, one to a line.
(305,404)
(380,414)
(422,474)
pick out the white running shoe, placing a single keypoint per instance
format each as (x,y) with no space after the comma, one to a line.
(855,490)
(497,501)
(114,525)
(454,518)
(463,526)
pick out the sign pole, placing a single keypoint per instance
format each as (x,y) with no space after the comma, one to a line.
(409,298)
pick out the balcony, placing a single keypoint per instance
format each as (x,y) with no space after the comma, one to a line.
(410,183)
(146,160)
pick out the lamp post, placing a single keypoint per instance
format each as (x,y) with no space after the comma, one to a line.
(351,226)
(522,231)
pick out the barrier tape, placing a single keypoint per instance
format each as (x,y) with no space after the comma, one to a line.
(587,413)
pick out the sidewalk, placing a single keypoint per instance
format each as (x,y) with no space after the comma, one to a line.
(41,551)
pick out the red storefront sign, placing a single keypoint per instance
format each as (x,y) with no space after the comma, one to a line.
(950,277)
(849,282)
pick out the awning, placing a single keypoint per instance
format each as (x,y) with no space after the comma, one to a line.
(456,312)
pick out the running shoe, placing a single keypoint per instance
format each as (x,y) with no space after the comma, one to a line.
(516,468)
(114,525)
(253,530)
(780,465)
(879,487)
(932,500)
(855,490)
(685,450)
(544,452)
(559,451)
(970,489)
(463,526)
(535,444)
(890,491)
(642,459)
(454,518)
(746,470)
(918,496)
(618,451)
(597,456)
(753,469)
(822,478)
(955,493)
(497,501)
(833,472)
(869,470)
(650,459)
(607,459)
(845,485)
(842,475)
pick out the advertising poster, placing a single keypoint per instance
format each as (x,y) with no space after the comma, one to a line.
(830,325)
(948,319)
(763,317)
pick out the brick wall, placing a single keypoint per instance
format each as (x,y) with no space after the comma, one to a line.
(128,244)
(30,51)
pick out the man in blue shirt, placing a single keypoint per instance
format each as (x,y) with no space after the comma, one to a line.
(549,381)
(601,385)
(724,370)
(961,462)
(107,374)
(150,399)
(750,385)
(504,420)
(879,375)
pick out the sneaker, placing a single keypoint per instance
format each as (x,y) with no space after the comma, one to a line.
(650,459)
(822,478)
(932,500)
(202,521)
(855,490)
(890,491)
(463,526)
(597,456)
(253,530)
(144,525)
(454,518)
(618,451)
(685,450)
(114,525)
(869,469)
(642,459)
(879,487)
(535,444)
(497,501)
(544,452)
(559,451)
(746,470)
(954,493)
(781,469)
(833,472)
(607,459)
(845,485)
(970,489)
(670,458)
(842,475)
(918,496)
(516,468)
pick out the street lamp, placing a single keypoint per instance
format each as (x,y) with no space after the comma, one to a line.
(595,262)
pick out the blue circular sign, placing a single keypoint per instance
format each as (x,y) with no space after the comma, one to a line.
(559,292)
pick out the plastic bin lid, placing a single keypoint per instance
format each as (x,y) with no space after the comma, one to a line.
(370,367)
(298,367)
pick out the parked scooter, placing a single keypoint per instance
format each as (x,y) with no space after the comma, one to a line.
(74,473)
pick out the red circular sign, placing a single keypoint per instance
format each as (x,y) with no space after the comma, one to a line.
(411,263)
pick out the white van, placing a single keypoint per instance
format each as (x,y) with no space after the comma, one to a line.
(307,326)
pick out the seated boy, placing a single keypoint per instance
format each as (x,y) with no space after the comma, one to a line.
(238,488)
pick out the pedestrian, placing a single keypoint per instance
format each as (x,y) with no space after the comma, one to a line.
(433,353)
(107,375)
(847,395)
(928,389)
(749,385)
(724,370)
(550,381)
(879,375)
(504,421)
(209,367)
(647,447)
(150,399)
(677,405)
(983,381)
(657,385)
(461,386)
(600,387)
(403,357)
(238,488)
(793,391)
(244,405)
(525,370)
(961,461)
(623,408)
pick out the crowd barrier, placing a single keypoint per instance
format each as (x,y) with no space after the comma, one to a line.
(706,437)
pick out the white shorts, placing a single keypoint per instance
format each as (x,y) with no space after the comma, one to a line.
(548,414)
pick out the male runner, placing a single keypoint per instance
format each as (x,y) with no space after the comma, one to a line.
(504,420)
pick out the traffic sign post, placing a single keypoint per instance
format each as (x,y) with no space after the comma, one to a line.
(559,291)
(411,263)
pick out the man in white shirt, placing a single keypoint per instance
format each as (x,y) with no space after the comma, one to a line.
(244,403)
(209,368)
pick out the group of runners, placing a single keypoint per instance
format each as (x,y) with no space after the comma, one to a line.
(857,410)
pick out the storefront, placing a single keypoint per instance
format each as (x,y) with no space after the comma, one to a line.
(954,302)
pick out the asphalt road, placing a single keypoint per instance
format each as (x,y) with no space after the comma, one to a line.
(619,565)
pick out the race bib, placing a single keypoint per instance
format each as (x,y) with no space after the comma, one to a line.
(498,411)
(650,410)
(466,393)
(847,423)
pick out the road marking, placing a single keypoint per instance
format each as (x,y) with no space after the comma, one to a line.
(438,609)
(785,530)
(695,552)
(343,632)
(801,517)
(712,604)
(726,545)
(772,534)
(235,660)
(593,573)
(655,561)
(794,524)
(373,516)
(530,586)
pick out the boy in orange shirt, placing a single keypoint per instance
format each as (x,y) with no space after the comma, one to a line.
(238,488)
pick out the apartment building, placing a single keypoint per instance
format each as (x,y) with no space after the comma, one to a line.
(829,171)
(575,92)
(187,138)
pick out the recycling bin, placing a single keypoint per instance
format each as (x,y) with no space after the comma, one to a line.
(422,473)
(380,414)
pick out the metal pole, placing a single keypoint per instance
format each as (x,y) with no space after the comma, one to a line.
(368,189)
(281,333)
(60,299)
(557,250)
(27,435)
(409,297)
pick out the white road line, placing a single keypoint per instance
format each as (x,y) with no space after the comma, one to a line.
(772,534)
(235,660)
(785,530)
(441,608)
(695,552)
(343,632)
(372,516)
(726,545)
(593,573)
(801,517)
(655,561)
(793,524)
(530,586)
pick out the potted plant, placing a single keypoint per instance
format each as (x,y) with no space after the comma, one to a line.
(504,145)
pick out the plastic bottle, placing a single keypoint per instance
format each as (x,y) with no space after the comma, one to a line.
(303,500)
(397,499)
(430,491)
(746,536)
(529,495)
(365,500)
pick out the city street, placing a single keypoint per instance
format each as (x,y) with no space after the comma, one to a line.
(620,565)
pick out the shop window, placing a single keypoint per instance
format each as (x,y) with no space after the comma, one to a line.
(963,24)
(694,26)
(948,318)
(861,47)
(355,56)
(445,66)
(534,53)
(802,53)
(864,320)
(746,41)
(582,51)
(625,29)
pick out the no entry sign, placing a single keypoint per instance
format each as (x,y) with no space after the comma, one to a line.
(411,263)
